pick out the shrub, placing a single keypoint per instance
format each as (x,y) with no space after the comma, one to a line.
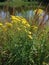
(23,44)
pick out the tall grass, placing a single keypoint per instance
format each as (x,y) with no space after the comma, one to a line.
(23,44)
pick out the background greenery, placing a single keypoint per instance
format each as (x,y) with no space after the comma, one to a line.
(22,2)
(23,44)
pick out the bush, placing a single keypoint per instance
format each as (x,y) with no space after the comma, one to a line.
(23,44)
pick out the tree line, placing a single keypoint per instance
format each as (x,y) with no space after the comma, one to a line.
(43,1)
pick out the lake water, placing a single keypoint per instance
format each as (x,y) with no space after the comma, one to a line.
(26,14)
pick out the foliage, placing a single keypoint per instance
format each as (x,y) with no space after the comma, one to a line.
(19,3)
(44,1)
(23,44)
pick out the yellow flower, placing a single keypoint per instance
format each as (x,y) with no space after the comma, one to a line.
(29,32)
(30,36)
(8,24)
(19,19)
(24,21)
(40,11)
(15,18)
(27,25)
(13,22)
(4,28)
(18,28)
(34,27)
(1,24)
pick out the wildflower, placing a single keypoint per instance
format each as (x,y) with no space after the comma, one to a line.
(27,25)
(24,21)
(40,11)
(8,24)
(1,24)
(15,18)
(30,36)
(34,27)
(4,28)
(13,22)
(20,18)
(29,32)
(18,28)
(24,26)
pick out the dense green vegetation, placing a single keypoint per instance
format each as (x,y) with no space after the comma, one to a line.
(44,1)
(15,3)
(23,44)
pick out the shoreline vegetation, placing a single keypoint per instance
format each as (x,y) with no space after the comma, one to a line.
(24,35)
